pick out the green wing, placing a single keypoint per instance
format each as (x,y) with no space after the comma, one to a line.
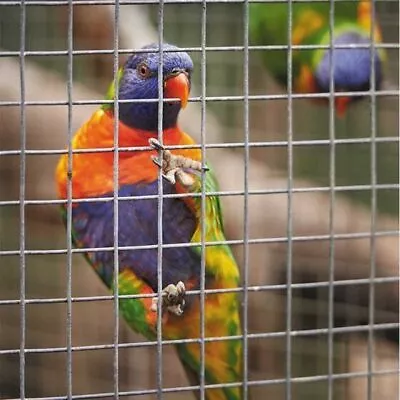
(111,91)
(213,206)
(268,26)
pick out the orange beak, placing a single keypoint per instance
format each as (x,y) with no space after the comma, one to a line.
(341,106)
(177,86)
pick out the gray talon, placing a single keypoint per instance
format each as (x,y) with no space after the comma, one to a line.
(172,299)
(153,142)
(156,161)
(173,166)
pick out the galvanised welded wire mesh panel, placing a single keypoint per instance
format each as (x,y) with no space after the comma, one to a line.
(310,205)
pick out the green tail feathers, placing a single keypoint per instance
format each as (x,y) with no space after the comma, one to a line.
(216,370)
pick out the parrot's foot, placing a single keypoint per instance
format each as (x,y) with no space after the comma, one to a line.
(173,166)
(172,299)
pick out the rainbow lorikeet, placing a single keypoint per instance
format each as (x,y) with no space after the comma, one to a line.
(92,222)
(311,68)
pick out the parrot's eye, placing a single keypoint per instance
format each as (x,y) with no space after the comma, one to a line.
(143,70)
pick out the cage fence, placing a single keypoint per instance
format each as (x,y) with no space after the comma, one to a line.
(310,206)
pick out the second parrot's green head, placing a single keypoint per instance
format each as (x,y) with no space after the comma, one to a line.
(139,87)
(354,68)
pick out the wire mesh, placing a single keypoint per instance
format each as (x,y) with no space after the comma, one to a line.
(297,339)
(69,204)
(22,262)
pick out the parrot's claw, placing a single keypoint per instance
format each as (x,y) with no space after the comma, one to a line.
(173,299)
(153,142)
(173,166)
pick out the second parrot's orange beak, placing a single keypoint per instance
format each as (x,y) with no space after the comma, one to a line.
(342,104)
(176,85)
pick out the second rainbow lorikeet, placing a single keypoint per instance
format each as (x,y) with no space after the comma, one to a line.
(93,222)
(311,68)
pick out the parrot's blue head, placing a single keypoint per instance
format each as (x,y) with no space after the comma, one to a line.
(352,68)
(139,81)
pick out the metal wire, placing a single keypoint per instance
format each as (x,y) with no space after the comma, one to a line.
(203,215)
(236,145)
(22,255)
(251,288)
(116,247)
(54,53)
(352,188)
(69,203)
(381,93)
(246,123)
(209,49)
(338,236)
(329,334)
(317,378)
(160,203)
(289,228)
(140,2)
(371,304)
(332,193)
(266,335)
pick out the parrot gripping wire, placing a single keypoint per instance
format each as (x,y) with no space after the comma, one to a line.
(172,298)
(174,166)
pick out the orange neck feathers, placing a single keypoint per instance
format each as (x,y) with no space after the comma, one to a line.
(305,82)
(92,173)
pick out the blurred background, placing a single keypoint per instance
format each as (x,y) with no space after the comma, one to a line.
(92,322)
